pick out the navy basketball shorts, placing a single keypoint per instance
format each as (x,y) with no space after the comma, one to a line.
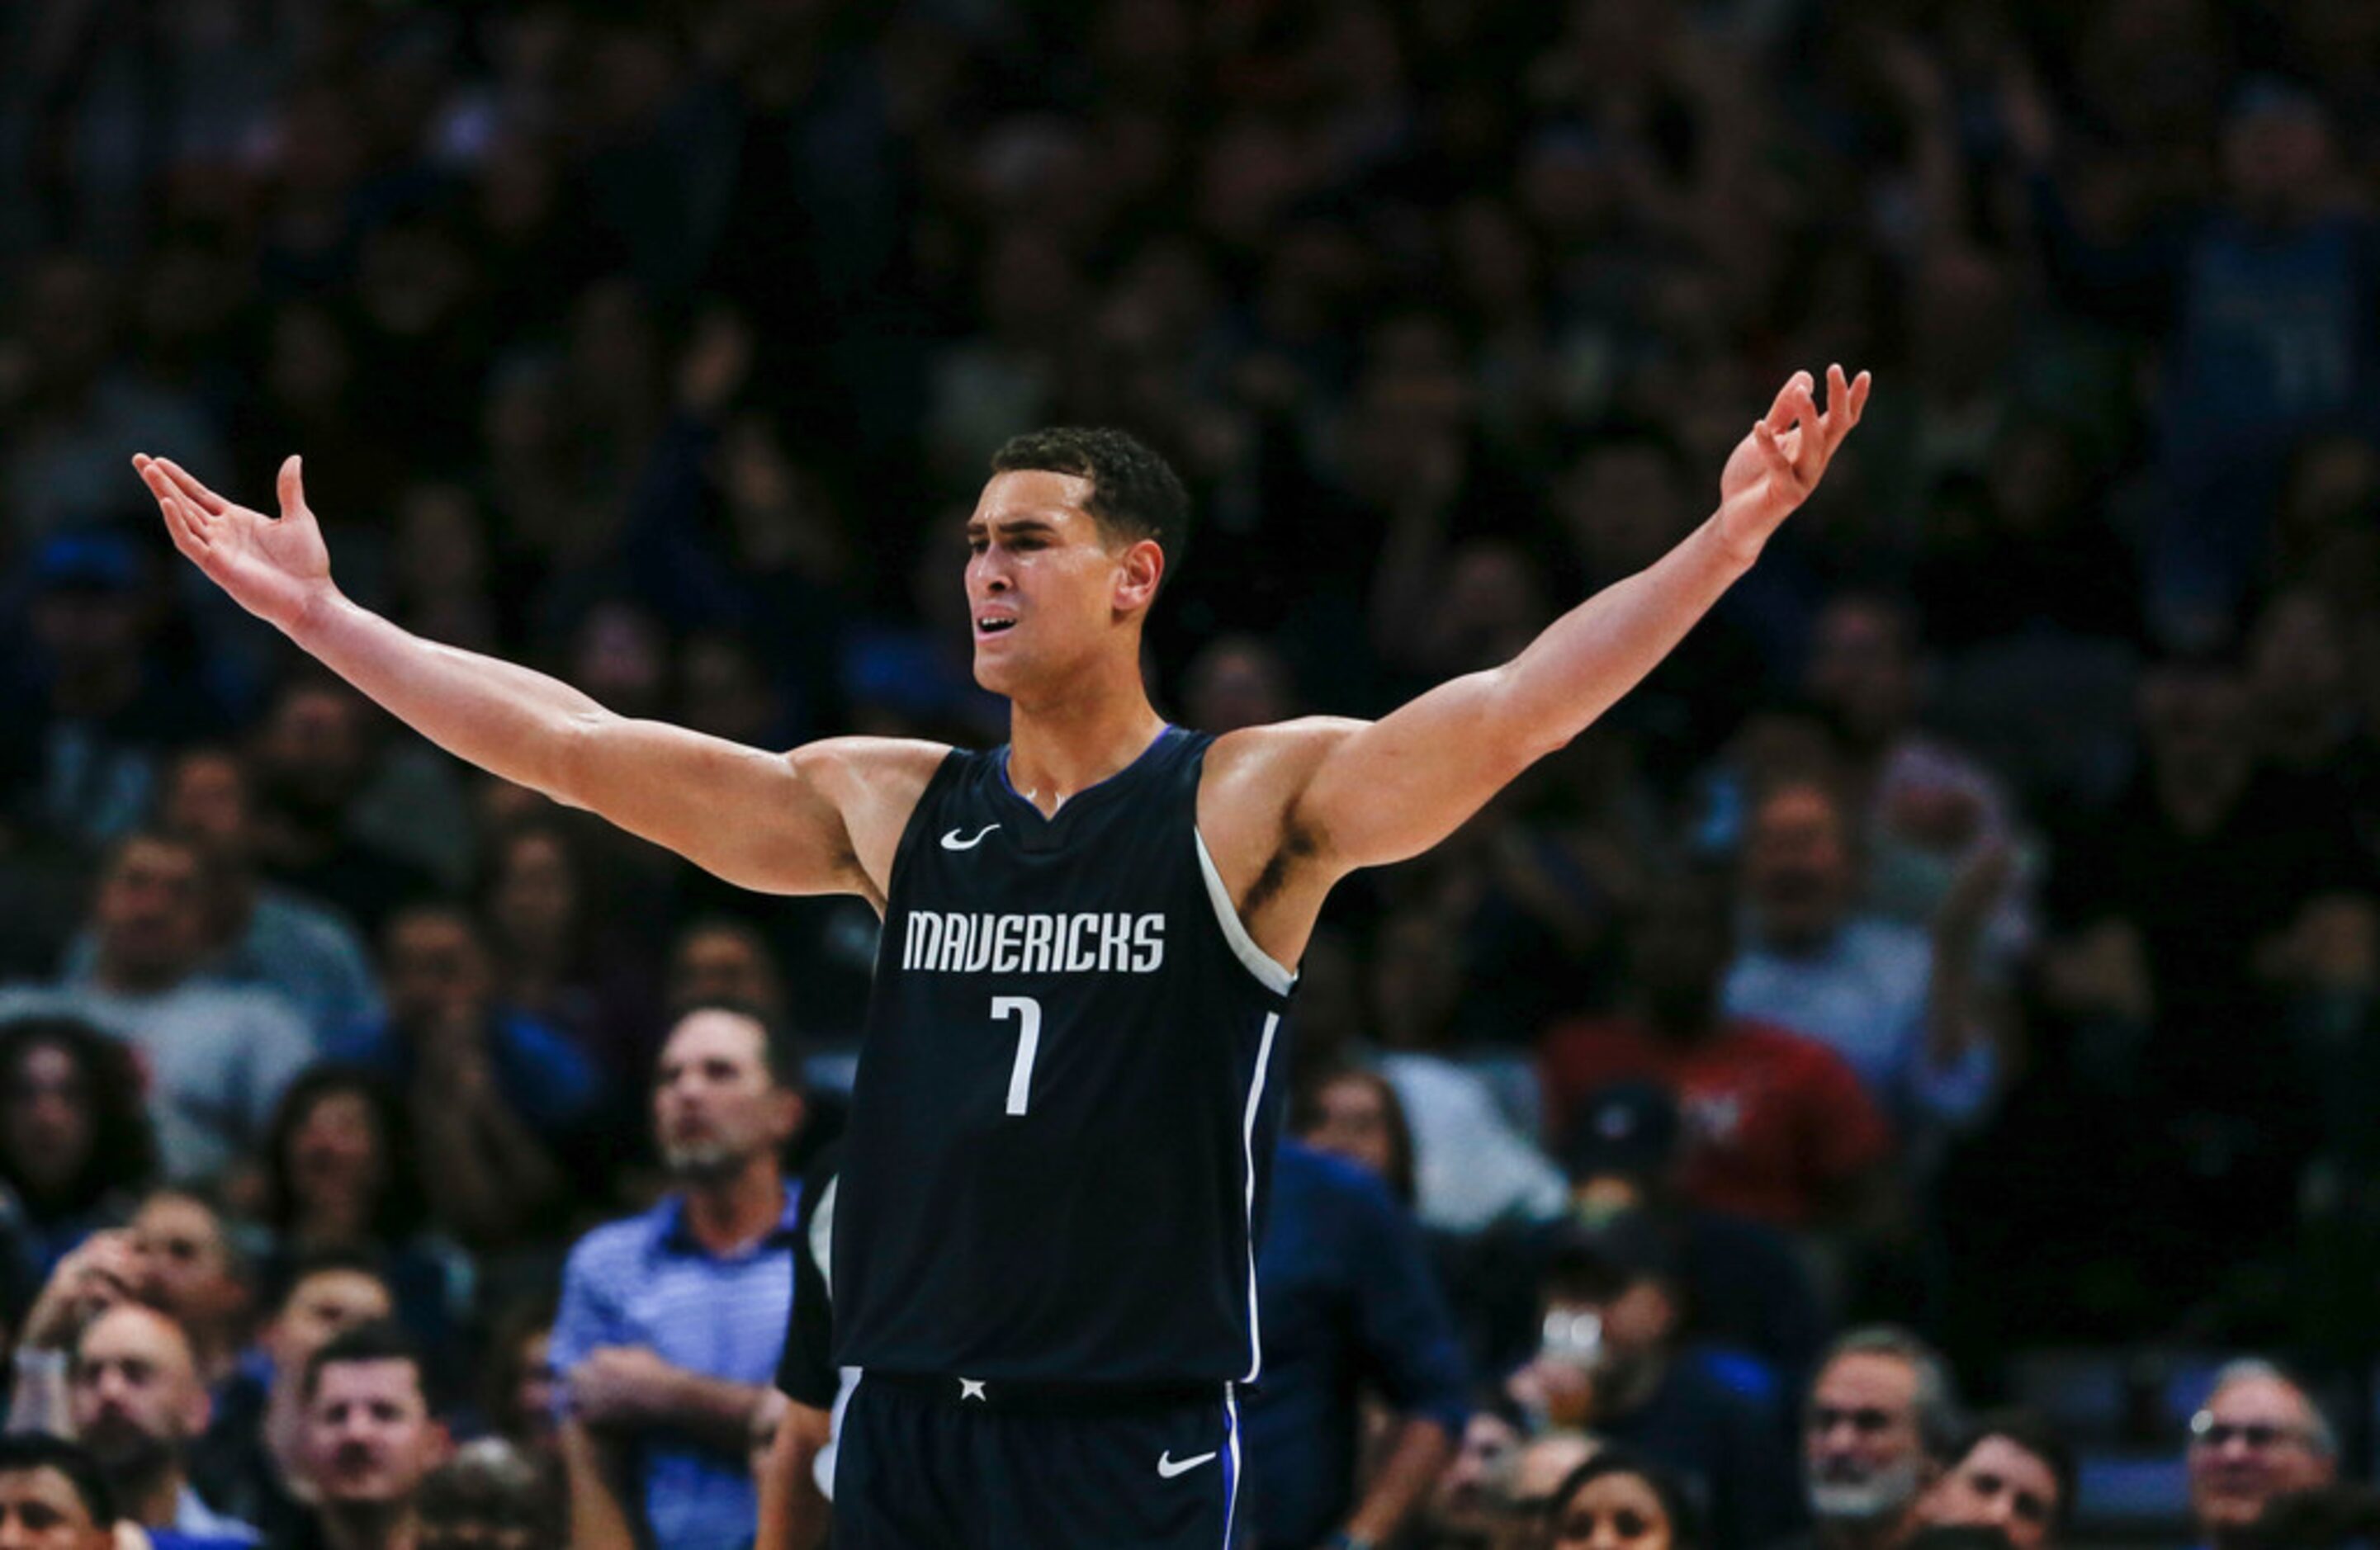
(951,1464)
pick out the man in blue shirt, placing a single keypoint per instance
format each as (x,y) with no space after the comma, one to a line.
(1347,1307)
(672,1322)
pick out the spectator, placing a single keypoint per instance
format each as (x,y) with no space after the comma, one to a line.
(2011,1474)
(252,1464)
(562,954)
(198,1276)
(2259,1435)
(74,1143)
(1356,1114)
(672,1322)
(1538,1471)
(92,711)
(137,1403)
(370,1440)
(217,1058)
(1616,1498)
(1349,1309)
(1903,1010)
(519,1402)
(1471,1505)
(724,960)
(1613,1359)
(51,1496)
(491,1496)
(1778,1127)
(497,1098)
(313,758)
(1472,1164)
(1882,1417)
(341,1177)
(258,934)
(1746,1283)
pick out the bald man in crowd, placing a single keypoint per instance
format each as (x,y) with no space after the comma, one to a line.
(137,1404)
(2259,1435)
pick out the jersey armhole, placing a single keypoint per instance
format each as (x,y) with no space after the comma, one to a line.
(1268,970)
(945,773)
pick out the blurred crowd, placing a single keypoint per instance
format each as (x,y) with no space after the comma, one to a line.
(1975,926)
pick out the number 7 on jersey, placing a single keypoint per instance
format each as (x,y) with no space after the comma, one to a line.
(1028,1012)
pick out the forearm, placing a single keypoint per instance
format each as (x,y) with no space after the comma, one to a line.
(513,1153)
(712,1412)
(793,1515)
(1586,659)
(37,1400)
(1421,1453)
(501,718)
(598,1518)
(465,1188)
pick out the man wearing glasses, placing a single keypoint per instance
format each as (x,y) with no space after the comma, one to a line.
(1882,1419)
(2259,1435)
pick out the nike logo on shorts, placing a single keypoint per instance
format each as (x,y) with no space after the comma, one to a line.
(1167,1467)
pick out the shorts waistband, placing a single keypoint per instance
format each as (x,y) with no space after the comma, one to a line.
(1022,1397)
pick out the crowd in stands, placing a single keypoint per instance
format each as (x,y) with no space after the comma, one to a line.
(1969,940)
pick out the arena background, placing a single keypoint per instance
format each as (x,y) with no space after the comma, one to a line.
(664,346)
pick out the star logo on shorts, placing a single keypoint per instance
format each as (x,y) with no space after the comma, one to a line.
(972,1388)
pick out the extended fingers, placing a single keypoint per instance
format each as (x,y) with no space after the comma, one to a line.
(183,520)
(196,493)
(1782,414)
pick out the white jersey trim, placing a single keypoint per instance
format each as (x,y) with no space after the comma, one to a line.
(1268,973)
(1248,1155)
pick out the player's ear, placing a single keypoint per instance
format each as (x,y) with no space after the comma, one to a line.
(1142,567)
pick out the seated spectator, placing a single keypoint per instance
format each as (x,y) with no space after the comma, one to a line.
(1777,1128)
(1538,1471)
(342,1175)
(197,1275)
(1470,1506)
(313,756)
(136,1402)
(1356,1114)
(1882,1417)
(252,1462)
(258,934)
(2011,1474)
(2259,1435)
(561,954)
(217,1058)
(75,1143)
(1902,1007)
(1472,1164)
(497,1099)
(1748,1284)
(1349,1309)
(51,1496)
(371,1441)
(519,1401)
(1619,1498)
(491,1496)
(1612,1361)
(672,1322)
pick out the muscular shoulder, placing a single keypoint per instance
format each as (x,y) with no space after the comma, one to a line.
(1273,762)
(1274,866)
(874,783)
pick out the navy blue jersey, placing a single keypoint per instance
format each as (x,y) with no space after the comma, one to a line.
(1065,1106)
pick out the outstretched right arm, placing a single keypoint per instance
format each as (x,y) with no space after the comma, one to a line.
(823,819)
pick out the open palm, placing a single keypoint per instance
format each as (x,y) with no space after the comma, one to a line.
(273,568)
(1775,468)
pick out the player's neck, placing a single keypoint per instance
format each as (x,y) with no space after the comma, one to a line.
(1065,744)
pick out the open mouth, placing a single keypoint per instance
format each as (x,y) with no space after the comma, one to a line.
(994,624)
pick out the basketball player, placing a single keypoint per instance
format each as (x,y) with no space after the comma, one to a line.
(1043,1256)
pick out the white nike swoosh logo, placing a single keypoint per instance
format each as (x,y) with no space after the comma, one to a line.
(1167,1469)
(952,842)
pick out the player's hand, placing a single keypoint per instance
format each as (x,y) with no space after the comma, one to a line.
(276,570)
(1773,471)
(622,1387)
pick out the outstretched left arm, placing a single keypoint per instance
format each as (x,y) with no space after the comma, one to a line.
(1392,789)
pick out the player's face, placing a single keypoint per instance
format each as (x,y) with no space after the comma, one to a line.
(1045,588)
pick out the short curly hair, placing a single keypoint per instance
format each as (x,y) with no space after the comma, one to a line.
(1135,494)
